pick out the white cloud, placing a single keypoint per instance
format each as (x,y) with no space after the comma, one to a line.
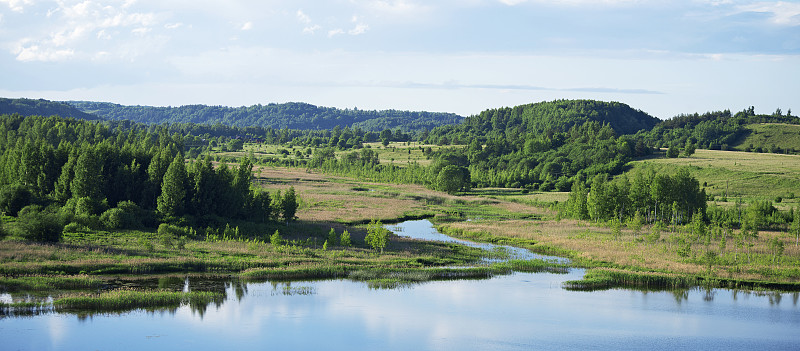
(141,31)
(37,53)
(247,26)
(173,25)
(102,34)
(311,29)
(359,29)
(782,13)
(397,7)
(17,5)
(334,32)
(74,29)
(302,17)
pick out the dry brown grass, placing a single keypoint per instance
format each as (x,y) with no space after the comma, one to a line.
(597,243)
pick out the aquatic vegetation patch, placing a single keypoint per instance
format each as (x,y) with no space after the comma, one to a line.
(132,299)
(607,278)
(50,283)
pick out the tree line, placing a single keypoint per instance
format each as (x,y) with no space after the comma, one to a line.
(85,172)
(293,115)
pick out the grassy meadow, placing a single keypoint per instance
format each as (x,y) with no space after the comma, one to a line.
(765,135)
(738,175)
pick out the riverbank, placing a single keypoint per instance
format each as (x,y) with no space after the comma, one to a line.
(640,260)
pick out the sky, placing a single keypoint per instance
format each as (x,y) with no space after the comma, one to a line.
(462,56)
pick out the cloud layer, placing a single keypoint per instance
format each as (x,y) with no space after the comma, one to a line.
(405,53)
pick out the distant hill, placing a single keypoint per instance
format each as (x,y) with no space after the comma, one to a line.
(549,117)
(291,115)
(722,130)
(40,107)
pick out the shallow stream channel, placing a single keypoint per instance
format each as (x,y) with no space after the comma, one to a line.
(519,311)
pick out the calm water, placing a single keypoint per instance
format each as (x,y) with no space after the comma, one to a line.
(515,312)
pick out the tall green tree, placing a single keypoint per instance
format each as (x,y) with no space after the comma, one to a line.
(173,189)
(289,205)
(452,179)
(576,204)
(62,191)
(377,236)
(86,180)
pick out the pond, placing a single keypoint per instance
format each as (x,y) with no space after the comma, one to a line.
(521,311)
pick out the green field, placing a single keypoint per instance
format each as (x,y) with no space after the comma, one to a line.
(767,136)
(735,174)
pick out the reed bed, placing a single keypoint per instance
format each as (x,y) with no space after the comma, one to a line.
(533,266)
(133,299)
(606,278)
(303,272)
(50,283)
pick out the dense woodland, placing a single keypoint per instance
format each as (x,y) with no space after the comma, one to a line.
(55,171)
(545,146)
(32,107)
(278,116)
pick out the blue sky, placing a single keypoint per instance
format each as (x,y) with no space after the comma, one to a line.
(462,56)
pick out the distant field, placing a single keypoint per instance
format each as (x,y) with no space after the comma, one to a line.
(739,174)
(765,135)
(397,153)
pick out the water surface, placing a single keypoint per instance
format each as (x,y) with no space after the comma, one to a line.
(522,311)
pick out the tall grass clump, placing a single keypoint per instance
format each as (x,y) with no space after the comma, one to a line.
(133,299)
(49,283)
(605,278)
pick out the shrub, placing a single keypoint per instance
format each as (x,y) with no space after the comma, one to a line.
(74,227)
(146,244)
(40,227)
(124,216)
(332,238)
(345,239)
(276,239)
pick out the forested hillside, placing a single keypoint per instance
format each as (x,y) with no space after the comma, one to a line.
(518,123)
(719,130)
(40,107)
(545,145)
(278,116)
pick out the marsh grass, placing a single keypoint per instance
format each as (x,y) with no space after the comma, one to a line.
(50,283)
(595,246)
(607,278)
(132,299)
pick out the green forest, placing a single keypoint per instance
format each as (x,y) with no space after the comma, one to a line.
(291,115)
(58,172)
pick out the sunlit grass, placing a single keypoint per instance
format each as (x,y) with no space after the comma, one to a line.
(739,175)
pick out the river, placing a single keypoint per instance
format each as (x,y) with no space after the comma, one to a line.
(521,311)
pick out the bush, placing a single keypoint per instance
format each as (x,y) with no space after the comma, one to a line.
(40,227)
(14,197)
(30,209)
(146,244)
(124,216)
(75,228)
(172,230)
(276,239)
(345,239)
